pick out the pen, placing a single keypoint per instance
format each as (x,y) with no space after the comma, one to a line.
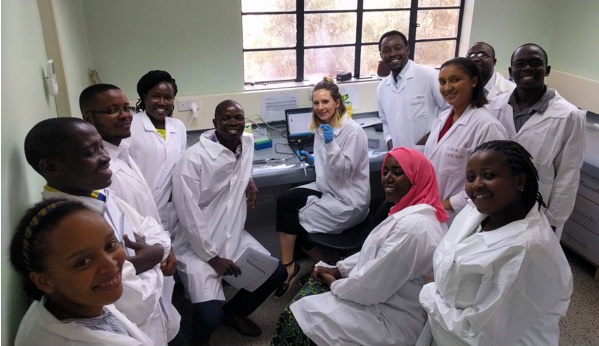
(304,165)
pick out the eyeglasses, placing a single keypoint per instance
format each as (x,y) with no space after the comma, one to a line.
(534,63)
(479,55)
(113,111)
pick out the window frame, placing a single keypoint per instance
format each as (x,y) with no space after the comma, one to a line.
(300,46)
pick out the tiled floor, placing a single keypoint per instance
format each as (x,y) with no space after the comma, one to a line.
(580,327)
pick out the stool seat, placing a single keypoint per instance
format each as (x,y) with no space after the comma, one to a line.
(345,243)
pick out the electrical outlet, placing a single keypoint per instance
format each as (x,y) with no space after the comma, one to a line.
(185,105)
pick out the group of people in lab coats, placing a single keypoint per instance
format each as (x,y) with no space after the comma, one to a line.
(127,205)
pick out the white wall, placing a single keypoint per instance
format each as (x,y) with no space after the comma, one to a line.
(24,103)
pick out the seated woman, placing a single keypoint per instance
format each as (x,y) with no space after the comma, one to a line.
(459,130)
(340,196)
(71,264)
(373,298)
(501,277)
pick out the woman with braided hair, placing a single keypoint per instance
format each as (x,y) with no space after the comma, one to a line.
(501,277)
(158,140)
(71,264)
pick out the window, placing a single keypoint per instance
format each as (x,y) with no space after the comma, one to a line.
(298,40)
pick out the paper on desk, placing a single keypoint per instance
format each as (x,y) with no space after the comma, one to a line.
(255,267)
(370,121)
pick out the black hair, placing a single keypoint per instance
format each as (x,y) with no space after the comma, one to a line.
(221,107)
(88,95)
(46,137)
(327,83)
(148,81)
(28,247)
(534,45)
(520,161)
(392,33)
(486,44)
(478,93)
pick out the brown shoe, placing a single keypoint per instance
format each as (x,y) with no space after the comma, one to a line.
(243,325)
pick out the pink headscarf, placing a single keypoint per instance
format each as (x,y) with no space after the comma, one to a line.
(421,174)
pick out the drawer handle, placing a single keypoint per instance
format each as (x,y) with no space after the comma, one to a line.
(594,188)
(583,214)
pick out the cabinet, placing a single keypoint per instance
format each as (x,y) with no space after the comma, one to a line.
(581,231)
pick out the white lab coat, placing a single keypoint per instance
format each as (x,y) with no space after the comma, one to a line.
(343,177)
(40,327)
(509,286)
(209,186)
(140,300)
(556,141)
(498,85)
(376,301)
(408,112)
(450,155)
(156,159)
(129,184)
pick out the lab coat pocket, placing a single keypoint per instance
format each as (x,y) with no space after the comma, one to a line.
(453,161)
(417,107)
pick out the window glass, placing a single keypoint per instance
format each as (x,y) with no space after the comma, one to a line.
(377,23)
(378,4)
(369,60)
(437,24)
(319,5)
(267,5)
(281,29)
(330,28)
(434,53)
(320,62)
(275,65)
(438,3)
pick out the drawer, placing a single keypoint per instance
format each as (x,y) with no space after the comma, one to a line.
(582,240)
(589,187)
(586,213)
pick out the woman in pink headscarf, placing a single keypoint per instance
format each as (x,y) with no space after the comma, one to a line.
(373,297)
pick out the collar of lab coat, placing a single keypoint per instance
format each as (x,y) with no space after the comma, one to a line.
(92,203)
(215,149)
(149,127)
(406,73)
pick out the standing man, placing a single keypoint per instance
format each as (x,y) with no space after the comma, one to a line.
(548,126)
(209,191)
(483,55)
(107,108)
(408,98)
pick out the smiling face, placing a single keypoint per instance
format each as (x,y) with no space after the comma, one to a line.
(160,101)
(394,52)
(83,265)
(529,67)
(394,181)
(492,186)
(456,86)
(324,105)
(112,127)
(229,122)
(82,165)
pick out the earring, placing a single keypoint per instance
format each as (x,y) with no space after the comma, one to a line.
(520,188)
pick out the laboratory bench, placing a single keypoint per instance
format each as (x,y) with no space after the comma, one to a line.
(581,231)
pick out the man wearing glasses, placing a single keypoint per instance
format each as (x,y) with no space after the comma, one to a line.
(107,108)
(548,126)
(483,55)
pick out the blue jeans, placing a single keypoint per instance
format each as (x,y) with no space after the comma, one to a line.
(209,315)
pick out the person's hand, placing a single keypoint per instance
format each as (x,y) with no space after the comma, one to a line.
(251,193)
(169,265)
(327,132)
(389,145)
(447,205)
(146,256)
(320,273)
(303,155)
(223,266)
